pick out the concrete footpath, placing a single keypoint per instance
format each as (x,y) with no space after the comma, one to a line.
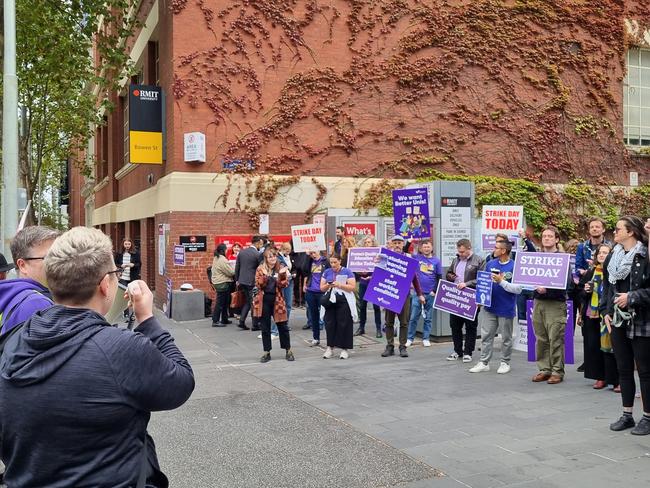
(385,422)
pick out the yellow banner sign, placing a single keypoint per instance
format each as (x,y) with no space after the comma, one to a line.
(145,147)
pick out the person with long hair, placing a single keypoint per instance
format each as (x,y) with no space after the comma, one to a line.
(270,280)
(626,296)
(129,260)
(348,243)
(363,279)
(341,312)
(549,320)
(599,362)
(223,277)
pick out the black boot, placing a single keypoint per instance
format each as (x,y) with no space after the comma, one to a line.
(266,357)
(625,422)
(359,332)
(390,351)
(402,352)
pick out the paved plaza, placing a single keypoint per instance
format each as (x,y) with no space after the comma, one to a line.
(381,422)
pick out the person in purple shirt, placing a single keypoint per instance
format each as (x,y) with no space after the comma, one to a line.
(429,272)
(20,298)
(317,265)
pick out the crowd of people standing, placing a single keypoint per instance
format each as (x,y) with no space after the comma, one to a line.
(609,285)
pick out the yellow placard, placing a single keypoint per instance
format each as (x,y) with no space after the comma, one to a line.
(145,147)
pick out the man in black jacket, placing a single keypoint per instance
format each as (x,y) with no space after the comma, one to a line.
(247,262)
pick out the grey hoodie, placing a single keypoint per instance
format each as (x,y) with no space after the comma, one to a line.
(76,395)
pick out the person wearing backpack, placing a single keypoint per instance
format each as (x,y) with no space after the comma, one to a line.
(21,297)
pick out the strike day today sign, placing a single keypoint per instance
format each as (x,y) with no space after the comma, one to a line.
(546,269)
(506,219)
(307,238)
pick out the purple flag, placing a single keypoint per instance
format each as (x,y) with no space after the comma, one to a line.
(411,213)
(391,280)
(362,259)
(449,298)
(569,356)
(547,269)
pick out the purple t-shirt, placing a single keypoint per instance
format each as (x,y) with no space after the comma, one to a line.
(331,276)
(316,272)
(428,271)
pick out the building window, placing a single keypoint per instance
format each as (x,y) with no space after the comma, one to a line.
(636,98)
(125,128)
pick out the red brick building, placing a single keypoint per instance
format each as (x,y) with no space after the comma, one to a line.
(312,102)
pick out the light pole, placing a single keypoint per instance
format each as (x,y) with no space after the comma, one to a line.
(9,129)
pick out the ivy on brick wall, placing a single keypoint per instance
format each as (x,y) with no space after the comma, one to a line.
(568,207)
(525,88)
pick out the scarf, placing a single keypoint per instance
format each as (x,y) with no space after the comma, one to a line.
(620,263)
(597,283)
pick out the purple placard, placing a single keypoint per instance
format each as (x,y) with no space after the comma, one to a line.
(411,212)
(451,299)
(547,269)
(179,255)
(391,280)
(569,357)
(488,241)
(362,259)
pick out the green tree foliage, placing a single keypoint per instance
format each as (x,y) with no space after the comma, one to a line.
(60,88)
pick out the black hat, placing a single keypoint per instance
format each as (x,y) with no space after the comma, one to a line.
(4,266)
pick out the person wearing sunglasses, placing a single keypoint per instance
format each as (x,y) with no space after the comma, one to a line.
(76,393)
(21,297)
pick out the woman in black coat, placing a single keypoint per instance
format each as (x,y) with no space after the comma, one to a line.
(129,260)
(626,293)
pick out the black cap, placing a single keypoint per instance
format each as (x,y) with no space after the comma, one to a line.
(4,266)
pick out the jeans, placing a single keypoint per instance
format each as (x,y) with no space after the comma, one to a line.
(416,311)
(312,299)
(363,308)
(287,293)
(489,326)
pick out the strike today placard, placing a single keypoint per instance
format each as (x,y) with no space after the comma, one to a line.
(545,269)
(506,219)
(307,238)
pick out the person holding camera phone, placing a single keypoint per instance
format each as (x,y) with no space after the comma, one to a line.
(271,279)
(599,362)
(76,393)
(341,312)
(501,311)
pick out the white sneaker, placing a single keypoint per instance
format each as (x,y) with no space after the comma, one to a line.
(479,367)
(452,357)
(328,353)
(409,343)
(467,359)
(344,354)
(259,336)
(313,343)
(275,336)
(503,368)
(426,343)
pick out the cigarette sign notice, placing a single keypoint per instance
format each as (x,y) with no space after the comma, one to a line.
(307,238)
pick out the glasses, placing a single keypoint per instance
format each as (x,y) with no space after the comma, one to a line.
(33,258)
